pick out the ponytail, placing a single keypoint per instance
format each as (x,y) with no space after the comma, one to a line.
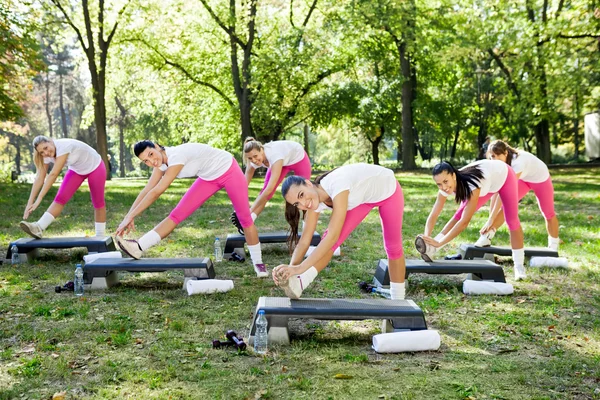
(250,144)
(500,147)
(38,160)
(471,175)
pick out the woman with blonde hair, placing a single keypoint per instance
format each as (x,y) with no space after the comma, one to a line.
(83,163)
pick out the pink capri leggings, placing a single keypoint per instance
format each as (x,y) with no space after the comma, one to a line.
(391,211)
(235,185)
(72,181)
(544,192)
(301,168)
(509,194)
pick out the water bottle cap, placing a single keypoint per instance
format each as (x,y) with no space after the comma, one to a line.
(261,312)
(216,238)
(78,266)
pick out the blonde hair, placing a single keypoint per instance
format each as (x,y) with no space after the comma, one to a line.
(498,147)
(38,160)
(250,144)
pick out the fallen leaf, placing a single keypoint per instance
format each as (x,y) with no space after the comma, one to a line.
(342,376)
(551,328)
(521,301)
(59,395)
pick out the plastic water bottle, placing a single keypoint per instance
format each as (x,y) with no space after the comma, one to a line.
(15,259)
(382,292)
(261,333)
(78,282)
(218,250)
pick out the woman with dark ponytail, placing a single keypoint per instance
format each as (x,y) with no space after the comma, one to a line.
(279,157)
(215,169)
(532,174)
(472,187)
(351,192)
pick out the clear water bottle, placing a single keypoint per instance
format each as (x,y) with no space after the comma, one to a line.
(382,292)
(261,333)
(218,250)
(14,251)
(78,282)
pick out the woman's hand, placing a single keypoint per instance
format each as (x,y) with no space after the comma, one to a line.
(31,209)
(126,226)
(282,273)
(486,228)
(431,241)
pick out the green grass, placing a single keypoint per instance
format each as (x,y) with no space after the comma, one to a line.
(146,339)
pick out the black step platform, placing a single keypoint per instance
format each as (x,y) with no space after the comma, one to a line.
(484,270)
(470,251)
(28,246)
(101,273)
(404,314)
(236,241)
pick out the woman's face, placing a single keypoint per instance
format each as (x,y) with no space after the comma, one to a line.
(303,197)
(46,149)
(256,157)
(446,181)
(502,156)
(152,157)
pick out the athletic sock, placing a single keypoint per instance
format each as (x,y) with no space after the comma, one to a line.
(254,216)
(439,238)
(100,228)
(397,290)
(518,256)
(46,220)
(150,239)
(308,276)
(255,253)
(553,243)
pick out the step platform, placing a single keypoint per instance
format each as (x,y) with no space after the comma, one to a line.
(102,272)
(28,247)
(235,242)
(470,252)
(484,270)
(404,314)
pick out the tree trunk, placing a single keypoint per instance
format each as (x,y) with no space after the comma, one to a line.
(121,123)
(455,143)
(47,103)
(408,138)
(375,145)
(306,136)
(63,115)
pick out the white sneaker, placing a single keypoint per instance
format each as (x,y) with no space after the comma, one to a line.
(427,251)
(293,287)
(520,272)
(130,247)
(32,229)
(483,241)
(261,270)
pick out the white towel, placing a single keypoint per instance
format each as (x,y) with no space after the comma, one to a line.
(208,286)
(109,254)
(398,342)
(336,252)
(486,287)
(557,262)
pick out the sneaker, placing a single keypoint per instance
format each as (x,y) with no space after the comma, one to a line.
(261,270)
(520,272)
(236,222)
(485,240)
(32,229)
(130,247)
(427,251)
(293,287)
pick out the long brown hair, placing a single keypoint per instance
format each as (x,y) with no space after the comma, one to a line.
(38,160)
(498,147)
(292,214)
(250,144)
(468,176)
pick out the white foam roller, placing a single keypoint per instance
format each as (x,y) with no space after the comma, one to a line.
(109,254)
(486,287)
(208,286)
(400,342)
(556,262)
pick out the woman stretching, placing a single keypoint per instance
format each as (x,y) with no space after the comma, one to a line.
(215,169)
(472,187)
(279,157)
(532,174)
(83,163)
(351,191)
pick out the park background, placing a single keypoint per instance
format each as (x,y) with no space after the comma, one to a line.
(398,83)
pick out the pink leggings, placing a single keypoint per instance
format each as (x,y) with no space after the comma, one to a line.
(509,194)
(390,213)
(544,192)
(301,168)
(235,185)
(72,181)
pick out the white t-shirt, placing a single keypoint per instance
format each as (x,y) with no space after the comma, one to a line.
(288,151)
(366,183)
(199,160)
(82,158)
(531,168)
(494,176)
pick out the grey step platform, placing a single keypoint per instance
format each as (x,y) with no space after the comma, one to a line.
(404,314)
(102,272)
(484,270)
(28,246)
(470,251)
(236,241)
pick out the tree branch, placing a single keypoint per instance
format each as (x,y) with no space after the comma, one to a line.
(228,30)
(114,29)
(506,72)
(70,22)
(310,11)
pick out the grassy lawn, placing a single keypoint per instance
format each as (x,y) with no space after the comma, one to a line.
(146,339)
